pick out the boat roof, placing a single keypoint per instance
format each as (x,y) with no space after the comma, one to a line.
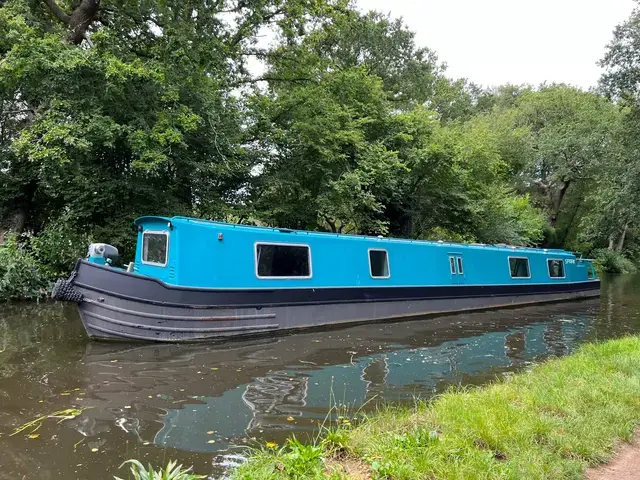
(213,224)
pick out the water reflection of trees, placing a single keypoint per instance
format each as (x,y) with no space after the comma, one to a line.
(30,332)
(24,324)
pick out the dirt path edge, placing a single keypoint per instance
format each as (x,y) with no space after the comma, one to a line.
(624,466)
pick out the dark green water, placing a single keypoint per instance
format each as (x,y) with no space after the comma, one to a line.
(161,402)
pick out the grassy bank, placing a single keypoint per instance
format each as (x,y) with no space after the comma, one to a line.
(548,423)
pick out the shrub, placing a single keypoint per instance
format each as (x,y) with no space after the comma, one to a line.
(57,248)
(30,264)
(609,261)
(20,275)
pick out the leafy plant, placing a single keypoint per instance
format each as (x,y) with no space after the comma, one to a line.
(21,276)
(171,472)
(381,471)
(58,247)
(293,461)
(335,439)
(300,460)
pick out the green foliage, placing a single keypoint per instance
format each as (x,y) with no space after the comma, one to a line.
(565,136)
(21,276)
(352,128)
(335,439)
(325,152)
(293,461)
(300,460)
(548,423)
(29,265)
(126,125)
(57,248)
(466,188)
(608,261)
(616,196)
(172,471)
(352,148)
(503,217)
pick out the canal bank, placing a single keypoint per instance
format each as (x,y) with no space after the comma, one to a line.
(550,422)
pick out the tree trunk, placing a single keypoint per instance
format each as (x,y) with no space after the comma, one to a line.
(80,19)
(622,238)
(567,229)
(331,223)
(15,222)
(611,242)
(557,202)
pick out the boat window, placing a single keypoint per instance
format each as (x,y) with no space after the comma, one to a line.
(591,271)
(519,267)
(556,268)
(154,247)
(452,265)
(379,263)
(460,270)
(283,260)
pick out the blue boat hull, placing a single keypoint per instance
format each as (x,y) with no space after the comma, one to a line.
(119,305)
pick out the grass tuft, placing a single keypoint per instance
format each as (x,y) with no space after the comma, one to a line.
(294,460)
(172,471)
(548,423)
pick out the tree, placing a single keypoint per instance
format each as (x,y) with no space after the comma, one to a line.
(621,79)
(361,131)
(110,110)
(566,136)
(478,200)
(616,203)
(323,163)
(615,194)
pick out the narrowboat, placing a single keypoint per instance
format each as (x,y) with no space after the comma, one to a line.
(195,279)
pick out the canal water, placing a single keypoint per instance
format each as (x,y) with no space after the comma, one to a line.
(203,404)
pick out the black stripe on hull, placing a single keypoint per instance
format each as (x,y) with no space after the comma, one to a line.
(134,287)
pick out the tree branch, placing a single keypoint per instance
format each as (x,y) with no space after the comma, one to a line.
(15,112)
(271,79)
(58,12)
(331,223)
(246,28)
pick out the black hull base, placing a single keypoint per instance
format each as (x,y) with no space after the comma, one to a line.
(118,305)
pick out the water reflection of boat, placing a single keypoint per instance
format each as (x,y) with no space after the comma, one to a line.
(178,393)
